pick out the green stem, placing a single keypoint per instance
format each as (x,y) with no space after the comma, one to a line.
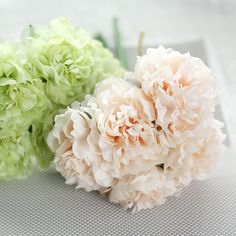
(120,50)
(101,39)
(140,44)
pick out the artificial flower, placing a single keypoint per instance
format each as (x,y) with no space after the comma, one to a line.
(141,144)
(22,101)
(17,157)
(69,62)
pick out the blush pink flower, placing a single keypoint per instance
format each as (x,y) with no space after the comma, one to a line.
(142,140)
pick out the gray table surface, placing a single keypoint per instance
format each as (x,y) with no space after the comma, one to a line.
(44,205)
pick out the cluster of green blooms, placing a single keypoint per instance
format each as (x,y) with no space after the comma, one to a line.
(53,66)
(22,101)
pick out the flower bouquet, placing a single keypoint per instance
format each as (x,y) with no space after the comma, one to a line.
(136,137)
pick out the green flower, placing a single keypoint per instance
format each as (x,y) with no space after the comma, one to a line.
(22,101)
(69,63)
(17,157)
(67,60)
(40,131)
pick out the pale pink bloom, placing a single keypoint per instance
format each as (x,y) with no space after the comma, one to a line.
(144,139)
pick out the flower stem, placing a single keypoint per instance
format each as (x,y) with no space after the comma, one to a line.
(101,39)
(140,44)
(120,50)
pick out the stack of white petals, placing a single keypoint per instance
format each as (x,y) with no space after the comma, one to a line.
(142,139)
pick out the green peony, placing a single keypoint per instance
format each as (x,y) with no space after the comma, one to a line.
(17,157)
(67,60)
(52,67)
(22,101)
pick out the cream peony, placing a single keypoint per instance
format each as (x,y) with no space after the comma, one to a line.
(141,140)
(69,141)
